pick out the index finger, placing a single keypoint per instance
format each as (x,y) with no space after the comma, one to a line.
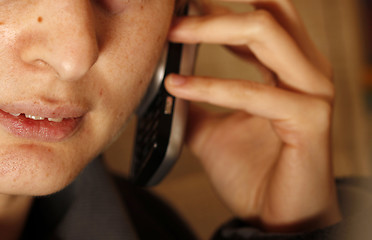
(270,43)
(286,14)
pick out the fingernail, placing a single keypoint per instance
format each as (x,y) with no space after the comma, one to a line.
(177,80)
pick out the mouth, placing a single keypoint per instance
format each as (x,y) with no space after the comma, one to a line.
(37,118)
(41,128)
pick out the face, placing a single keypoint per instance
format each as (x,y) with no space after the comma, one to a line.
(71,73)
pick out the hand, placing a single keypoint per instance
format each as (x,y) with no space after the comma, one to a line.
(269,160)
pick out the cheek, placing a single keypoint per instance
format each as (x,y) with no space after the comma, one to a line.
(7,51)
(118,100)
(12,68)
(128,71)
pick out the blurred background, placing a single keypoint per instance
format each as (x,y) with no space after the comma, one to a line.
(342,31)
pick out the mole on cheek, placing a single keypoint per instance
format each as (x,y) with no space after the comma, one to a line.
(39,19)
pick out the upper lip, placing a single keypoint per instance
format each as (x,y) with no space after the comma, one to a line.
(46,110)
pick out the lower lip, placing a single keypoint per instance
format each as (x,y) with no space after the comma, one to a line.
(41,130)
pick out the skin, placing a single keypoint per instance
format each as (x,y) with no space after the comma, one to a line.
(79,56)
(269,161)
(77,52)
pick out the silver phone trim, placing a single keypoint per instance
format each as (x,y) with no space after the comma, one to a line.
(179,121)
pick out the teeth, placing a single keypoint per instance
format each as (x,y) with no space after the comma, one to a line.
(42,118)
(55,119)
(34,117)
(37,118)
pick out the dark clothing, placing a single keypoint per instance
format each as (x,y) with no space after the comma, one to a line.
(99,206)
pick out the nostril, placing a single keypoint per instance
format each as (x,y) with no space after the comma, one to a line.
(40,63)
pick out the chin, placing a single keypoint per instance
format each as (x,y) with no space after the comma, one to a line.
(36,170)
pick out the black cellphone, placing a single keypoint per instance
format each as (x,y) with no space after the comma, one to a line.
(161,119)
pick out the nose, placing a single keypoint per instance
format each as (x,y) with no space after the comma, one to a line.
(63,38)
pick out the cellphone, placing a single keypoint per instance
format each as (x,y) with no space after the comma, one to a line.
(161,119)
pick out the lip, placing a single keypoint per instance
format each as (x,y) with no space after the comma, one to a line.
(44,110)
(41,130)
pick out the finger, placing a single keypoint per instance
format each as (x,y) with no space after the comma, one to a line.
(270,43)
(254,98)
(286,14)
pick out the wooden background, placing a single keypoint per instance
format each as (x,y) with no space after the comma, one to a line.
(335,27)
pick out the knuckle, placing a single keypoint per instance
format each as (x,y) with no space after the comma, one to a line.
(311,120)
(314,122)
(319,115)
(328,89)
(287,2)
(263,21)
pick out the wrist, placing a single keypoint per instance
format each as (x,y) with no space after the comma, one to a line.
(330,216)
